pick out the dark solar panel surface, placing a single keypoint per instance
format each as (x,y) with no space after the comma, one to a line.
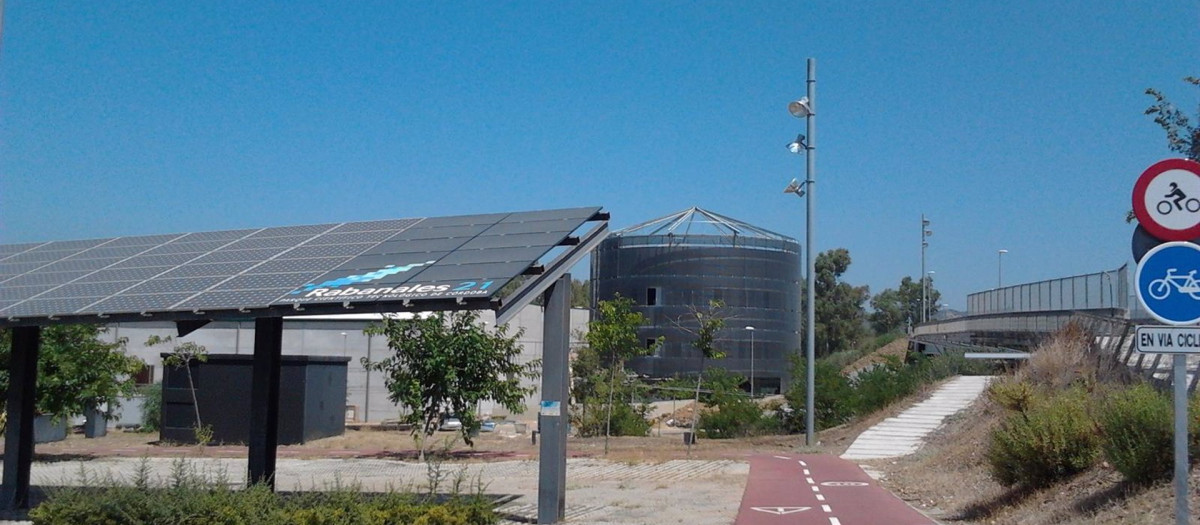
(387,261)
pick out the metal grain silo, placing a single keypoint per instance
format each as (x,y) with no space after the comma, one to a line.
(672,264)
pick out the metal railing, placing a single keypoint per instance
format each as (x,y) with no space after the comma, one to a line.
(1093,291)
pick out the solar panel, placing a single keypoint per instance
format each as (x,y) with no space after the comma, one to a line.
(372,264)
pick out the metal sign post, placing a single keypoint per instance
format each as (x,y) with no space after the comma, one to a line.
(1168,288)
(1166,201)
(1179,341)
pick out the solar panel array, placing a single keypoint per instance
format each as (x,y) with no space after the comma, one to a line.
(389,261)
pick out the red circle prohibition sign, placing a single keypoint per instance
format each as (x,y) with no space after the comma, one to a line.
(1145,218)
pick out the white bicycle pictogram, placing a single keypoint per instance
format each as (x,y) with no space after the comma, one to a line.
(1161,288)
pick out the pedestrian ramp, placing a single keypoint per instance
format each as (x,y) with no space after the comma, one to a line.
(905,433)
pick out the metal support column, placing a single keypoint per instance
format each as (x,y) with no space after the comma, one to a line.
(1179,379)
(264,400)
(18,436)
(552,419)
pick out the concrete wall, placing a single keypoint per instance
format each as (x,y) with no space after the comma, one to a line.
(336,336)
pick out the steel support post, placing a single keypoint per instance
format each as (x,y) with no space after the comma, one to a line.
(552,418)
(18,435)
(1179,369)
(264,400)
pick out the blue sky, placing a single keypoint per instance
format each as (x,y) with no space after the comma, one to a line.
(1011,125)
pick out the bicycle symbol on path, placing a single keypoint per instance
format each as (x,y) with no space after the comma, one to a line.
(1177,199)
(1161,288)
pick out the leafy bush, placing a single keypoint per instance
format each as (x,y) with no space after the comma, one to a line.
(1053,438)
(256,505)
(833,396)
(627,419)
(734,414)
(1138,433)
(151,407)
(882,384)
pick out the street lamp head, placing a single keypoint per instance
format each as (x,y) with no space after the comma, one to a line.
(796,187)
(750,328)
(800,108)
(798,146)
(1001,251)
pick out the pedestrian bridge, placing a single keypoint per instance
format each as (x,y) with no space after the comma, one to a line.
(1018,317)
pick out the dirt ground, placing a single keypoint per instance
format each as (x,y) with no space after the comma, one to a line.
(949,480)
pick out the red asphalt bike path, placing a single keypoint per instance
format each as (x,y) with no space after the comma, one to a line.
(819,489)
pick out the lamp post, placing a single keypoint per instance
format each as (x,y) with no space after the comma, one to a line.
(925,232)
(751,330)
(805,108)
(1000,267)
(344,334)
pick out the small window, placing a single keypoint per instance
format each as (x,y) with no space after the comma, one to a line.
(145,376)
(650,342)
(651,296)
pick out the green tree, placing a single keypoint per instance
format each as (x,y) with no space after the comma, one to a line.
(894,310)
(1183,136)
(612,339)
(76,370)
(581,295)
(704,324)
(447,363)
(839,306)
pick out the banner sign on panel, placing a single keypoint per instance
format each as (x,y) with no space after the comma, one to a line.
(1167,339)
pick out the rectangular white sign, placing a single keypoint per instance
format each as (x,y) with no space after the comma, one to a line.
(1167,339)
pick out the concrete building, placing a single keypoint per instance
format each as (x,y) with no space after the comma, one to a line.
(682,261)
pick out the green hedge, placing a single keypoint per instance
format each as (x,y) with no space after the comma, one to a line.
(1051,439)
(253,506)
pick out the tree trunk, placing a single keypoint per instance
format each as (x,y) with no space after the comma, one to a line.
(608,420)
(696,406)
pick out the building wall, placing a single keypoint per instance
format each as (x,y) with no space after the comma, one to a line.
(759,284)
(366,392)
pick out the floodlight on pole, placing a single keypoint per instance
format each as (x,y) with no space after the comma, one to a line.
(800,108)
(805,143)
(799,145)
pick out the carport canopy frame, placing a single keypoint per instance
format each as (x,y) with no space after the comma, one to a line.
(401,265)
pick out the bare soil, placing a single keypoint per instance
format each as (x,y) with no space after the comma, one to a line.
(949,480)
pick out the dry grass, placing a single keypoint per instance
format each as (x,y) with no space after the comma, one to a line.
(897,349)
(949,477)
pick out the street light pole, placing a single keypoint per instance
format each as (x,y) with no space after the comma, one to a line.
(751,329)
(1000,267)
(925,232)
(805,108)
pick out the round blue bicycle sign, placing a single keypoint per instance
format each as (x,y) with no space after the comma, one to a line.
(1168,283)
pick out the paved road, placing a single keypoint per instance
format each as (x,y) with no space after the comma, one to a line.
(818,490)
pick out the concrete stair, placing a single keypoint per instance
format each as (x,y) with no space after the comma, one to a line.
(905,433)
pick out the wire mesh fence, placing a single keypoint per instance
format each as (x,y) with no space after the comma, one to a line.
(1092,291)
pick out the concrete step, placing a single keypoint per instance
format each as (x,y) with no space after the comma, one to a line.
(905,433)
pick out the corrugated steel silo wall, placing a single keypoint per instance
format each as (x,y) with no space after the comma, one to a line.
(760,288)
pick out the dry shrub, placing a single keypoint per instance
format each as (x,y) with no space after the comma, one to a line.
(1062,360)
